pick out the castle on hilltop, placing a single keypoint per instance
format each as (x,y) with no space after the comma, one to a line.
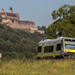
(12,19)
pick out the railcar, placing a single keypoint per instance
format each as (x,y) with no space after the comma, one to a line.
(60,47)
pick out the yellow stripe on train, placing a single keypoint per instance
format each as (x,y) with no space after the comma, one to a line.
(69,50)
(48,55)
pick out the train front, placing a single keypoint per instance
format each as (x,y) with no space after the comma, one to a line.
(69,47)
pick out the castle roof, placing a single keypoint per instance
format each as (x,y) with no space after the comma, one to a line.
(16,14)
(19,21)
(2,8)
(9,14)
(10,8)
(2,13)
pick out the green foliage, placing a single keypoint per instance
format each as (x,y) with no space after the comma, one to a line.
(43,28)
(65,25)
(63,12)
(0,20)
(32,36)
(54,15)
(17,43)
(6,19)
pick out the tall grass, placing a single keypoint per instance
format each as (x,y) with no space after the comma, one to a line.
(38,67)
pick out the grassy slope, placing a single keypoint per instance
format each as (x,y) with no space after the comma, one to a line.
(40,67)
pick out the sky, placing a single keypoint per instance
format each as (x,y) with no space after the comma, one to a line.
(38,11)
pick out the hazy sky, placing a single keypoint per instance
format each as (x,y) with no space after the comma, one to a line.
(38,11)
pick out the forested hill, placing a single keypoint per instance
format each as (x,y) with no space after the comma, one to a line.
(16,43)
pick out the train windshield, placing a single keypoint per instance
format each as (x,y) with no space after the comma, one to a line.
(69,44)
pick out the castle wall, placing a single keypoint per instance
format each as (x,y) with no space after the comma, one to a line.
(3,16)
(10,15)
(5,20)
(41,31)
(28,26)
(15,18)
(35,28)
(24,25)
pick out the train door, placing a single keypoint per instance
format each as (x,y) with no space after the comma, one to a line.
(39,52)
(42,51)
(54,51)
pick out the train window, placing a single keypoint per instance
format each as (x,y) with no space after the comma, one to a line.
(67,39)
(39,49)
(70,40)
(48,49)
(58,47)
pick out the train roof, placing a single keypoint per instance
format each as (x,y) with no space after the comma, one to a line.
(49,40)
(46,40)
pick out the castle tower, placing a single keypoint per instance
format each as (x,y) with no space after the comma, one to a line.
(2,10)
(10,10)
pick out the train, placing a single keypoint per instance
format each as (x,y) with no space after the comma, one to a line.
(53,48)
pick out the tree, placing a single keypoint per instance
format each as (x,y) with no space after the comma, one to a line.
(65,24)
(15,43)
(62,12)
(43,28)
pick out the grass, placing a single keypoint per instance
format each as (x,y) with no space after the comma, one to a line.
(38,67)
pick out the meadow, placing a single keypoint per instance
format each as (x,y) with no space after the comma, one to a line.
(38,67)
